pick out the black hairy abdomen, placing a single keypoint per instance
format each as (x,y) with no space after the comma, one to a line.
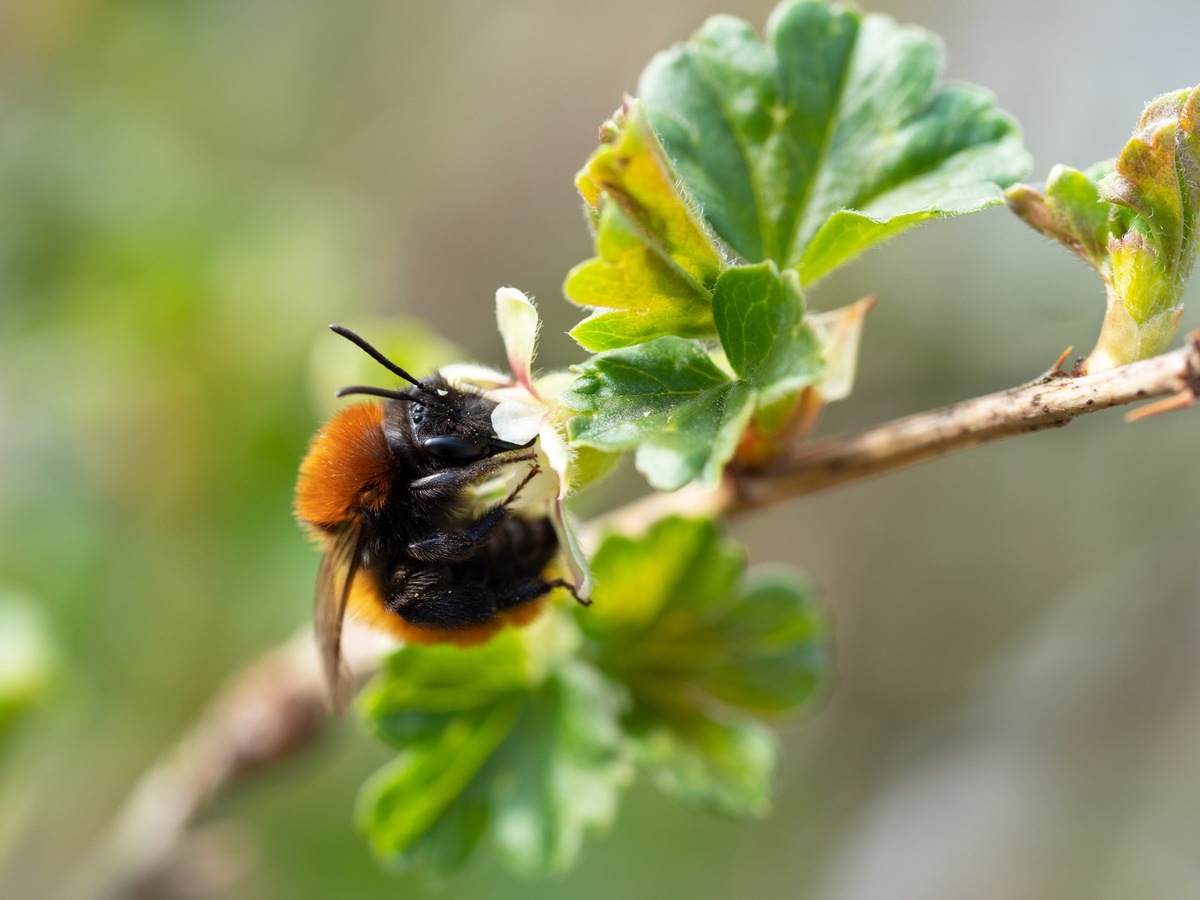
(503,571)
(516,551)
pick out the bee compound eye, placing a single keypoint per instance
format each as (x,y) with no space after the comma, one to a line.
(455,449)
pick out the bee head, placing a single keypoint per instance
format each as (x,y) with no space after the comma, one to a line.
(443,423)
(451,425)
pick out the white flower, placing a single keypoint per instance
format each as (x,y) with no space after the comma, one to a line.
(524,411)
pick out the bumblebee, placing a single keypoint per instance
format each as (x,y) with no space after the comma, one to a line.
(387,490)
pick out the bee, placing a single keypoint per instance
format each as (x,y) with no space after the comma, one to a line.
(386,488)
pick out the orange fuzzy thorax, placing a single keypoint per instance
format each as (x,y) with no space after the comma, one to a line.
(348,466)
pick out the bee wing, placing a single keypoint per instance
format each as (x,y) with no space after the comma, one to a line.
(335,577)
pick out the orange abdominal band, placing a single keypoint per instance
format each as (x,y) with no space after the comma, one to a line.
(366,605)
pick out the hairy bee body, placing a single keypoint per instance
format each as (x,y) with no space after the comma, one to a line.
(387,489)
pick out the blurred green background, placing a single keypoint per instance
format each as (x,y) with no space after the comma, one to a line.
(191,191)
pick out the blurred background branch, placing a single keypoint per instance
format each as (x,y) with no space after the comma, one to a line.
(268,712)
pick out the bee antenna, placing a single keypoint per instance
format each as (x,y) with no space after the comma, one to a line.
(381,392)
(362,344)
(366,347)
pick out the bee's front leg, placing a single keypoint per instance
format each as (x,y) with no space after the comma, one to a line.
(458,546)
(446,484)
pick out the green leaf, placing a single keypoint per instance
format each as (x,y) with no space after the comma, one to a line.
(1157,175)
(657,259)
(826,139)
(760,318)
(559,776)
(1071,211)
(725,766)
(703,650)
(1136,221)
(632,169)
(678,561)
(412,799)
(778,616)
(446,709)
(668,401)
(515,741)
(646,296)
(422,683)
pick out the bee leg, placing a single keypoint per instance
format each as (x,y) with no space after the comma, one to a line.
(531,590)
(458,546)
(570,589)
(448,483)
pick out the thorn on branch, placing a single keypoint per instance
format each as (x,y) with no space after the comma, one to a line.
(1057,370)
(1185,398)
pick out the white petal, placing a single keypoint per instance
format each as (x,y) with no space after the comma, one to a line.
(558,454)
(839,331)
(517,420)
(551,385)
(573,555)
(479,376)
(517,319)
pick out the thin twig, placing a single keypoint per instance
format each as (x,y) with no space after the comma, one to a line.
(266,713)
(1049,402)
(278,706)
